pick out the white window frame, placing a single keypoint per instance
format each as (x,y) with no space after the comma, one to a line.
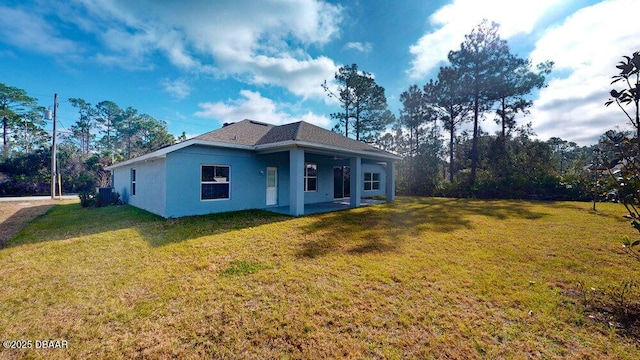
(228,181)
(307,177)
(134,181)
(371,181)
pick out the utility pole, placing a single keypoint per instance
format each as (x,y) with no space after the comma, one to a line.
(5,121)
(54,169)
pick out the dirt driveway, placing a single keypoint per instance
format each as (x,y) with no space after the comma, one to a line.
(15,215)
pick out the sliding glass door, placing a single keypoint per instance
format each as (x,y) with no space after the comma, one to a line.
(341,182)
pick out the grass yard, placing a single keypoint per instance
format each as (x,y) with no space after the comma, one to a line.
(14,215)
(417,278)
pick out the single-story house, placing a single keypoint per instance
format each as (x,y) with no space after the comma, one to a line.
(253,165)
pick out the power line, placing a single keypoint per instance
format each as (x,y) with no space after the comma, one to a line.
(40,96)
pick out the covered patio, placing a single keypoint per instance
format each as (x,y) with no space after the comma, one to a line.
(321,159)
(324,207)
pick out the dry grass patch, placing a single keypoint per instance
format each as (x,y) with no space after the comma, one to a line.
(14,215)
(417,278)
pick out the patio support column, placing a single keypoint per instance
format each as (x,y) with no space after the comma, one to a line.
(296,182)
(356,181)
(391,181)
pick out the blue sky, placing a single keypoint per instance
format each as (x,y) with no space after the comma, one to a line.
(197,64)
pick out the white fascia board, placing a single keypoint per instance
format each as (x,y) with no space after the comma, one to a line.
(158,154)
(330,148)
(267,148)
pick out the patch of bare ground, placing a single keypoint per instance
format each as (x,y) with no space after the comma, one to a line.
(15,215)
(605,308)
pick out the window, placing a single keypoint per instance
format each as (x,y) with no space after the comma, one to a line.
(133,182)
(371,181)
(310,177)
(214,182)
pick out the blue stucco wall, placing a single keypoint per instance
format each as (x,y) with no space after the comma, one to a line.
(325,178)
(247,181)
(150,185)
(120,182)
(374,168)
(171,187)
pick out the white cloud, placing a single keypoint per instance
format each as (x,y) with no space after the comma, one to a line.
(301,77)
(125,49)
(253,106)
(455,20)
(365,47)
(28,30)
(585,49)
(178,88)
(262,42)
(174,46)
(319,120)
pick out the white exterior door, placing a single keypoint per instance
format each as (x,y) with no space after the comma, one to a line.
(272,186)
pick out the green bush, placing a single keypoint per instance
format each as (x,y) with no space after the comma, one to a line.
(91,199)
(87,199)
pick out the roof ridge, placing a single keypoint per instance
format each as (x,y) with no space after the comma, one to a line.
(295,136)
(258,122)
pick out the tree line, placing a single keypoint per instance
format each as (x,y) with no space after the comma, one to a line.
(103,134)
(438,131)
(482,79)
(439,128)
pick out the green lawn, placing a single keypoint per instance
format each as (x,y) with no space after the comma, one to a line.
(416,278)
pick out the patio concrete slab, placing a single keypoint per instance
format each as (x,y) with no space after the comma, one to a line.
(318,208)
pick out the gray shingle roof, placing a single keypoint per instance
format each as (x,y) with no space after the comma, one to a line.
(245,132)
(312,133)
(253,133)
(280,133)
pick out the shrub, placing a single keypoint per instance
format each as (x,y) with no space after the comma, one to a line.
(91,199)
(87,198)
(115,199)
(617,305)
